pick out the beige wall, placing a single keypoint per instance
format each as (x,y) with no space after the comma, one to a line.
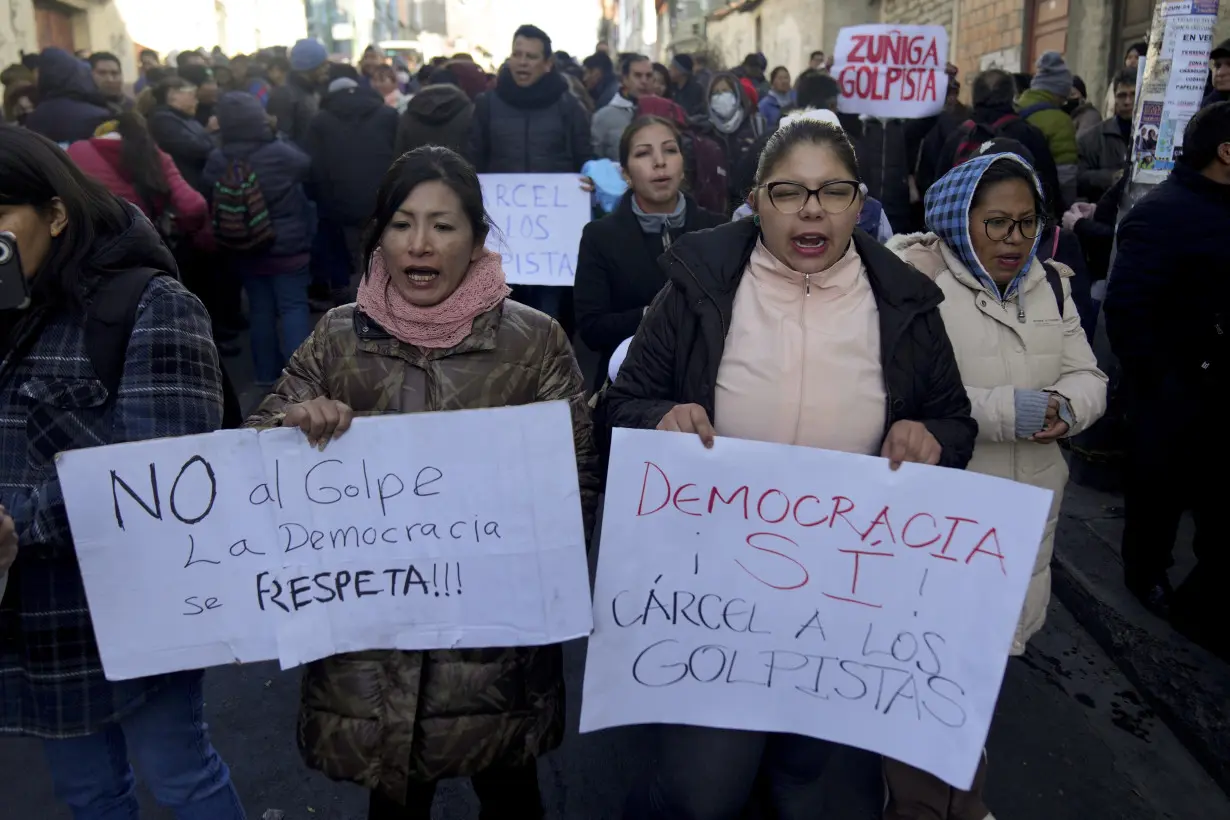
(790,30)
(17,31)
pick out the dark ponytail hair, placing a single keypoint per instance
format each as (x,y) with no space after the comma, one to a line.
(805,132)
(141,158)
(35,172)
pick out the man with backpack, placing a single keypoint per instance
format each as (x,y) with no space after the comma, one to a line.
(993,116)
(264,224)
(1042,107)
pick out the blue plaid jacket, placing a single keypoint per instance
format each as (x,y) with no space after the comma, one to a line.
(51,678)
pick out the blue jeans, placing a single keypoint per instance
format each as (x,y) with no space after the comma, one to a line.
(168,739)
(711,774)
(274,297)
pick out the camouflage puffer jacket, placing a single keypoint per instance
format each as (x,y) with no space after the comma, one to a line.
(385,718)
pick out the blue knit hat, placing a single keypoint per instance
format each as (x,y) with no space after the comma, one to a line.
(307,55)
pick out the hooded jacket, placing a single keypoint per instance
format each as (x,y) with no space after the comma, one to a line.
(281,170)
(70,106)
(350,143)
(437,115)
(675,355)
(171,386)
(1007,343)
(186,140)
(1060,134)
(542,129)
(294,103)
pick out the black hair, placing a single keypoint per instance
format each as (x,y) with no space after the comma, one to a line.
(993,88)
(816,54)
(664,73)
(535,33)
(1125,77)
(34,171)
(340,71)
(424,74)
(464,56)
(1141,50)
(148,52)
(1023,80)
(773,74)
(183,57)
(805,132)
(167,85)
(1206,132)
(157,74)
(30,61)
(600,61)
(198,75)
(442,76)
(625,65)
(1004,170)
(139,156)
(816,89)
(638,125)
(280,63)
(103,57)
(430,163)
(384,68)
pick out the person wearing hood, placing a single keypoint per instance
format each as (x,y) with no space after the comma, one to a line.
(433,329)
(295,103)
(350,144)
(600,79)
(1042,107)
(70,106)
(1083,113)
(439,114)
(1031,377)
(720,352)
(779,98)
(737,124)
(276,279)
(1220,79)
(607,129)
(85,253)
(531,124)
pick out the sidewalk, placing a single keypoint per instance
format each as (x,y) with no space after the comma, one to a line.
(1188,687)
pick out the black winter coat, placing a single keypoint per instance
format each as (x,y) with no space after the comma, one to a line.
(618,275)
(294,104)
(70,106)
(537,130)
(1166,302)
(350,143)
(675,355)
(187,141)
(437,115)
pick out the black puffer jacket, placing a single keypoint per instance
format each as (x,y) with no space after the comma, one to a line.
(537,130)
(437,115)
(187,141)
(675,355)
(350,143)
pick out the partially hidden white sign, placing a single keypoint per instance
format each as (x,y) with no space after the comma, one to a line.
(538,220)
(416,531)
(787,589)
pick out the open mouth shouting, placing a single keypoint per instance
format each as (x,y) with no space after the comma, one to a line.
(810,244)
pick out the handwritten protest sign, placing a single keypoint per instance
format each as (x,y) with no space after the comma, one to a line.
(891,71)
(539,219)
(764,587)
(416,531)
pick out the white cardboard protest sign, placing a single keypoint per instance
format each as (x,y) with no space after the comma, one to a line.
(411,531)
(538,220)
(787,589)
(891,71)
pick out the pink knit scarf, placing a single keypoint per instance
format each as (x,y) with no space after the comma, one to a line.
(441,326)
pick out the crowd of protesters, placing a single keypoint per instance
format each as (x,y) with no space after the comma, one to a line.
(944,277)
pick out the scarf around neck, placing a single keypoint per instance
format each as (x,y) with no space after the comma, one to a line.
(441,326)
(542,94)
(657,224)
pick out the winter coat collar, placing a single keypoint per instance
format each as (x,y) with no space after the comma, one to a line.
(542,94)
(375,338)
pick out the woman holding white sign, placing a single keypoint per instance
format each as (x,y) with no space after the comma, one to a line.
(793,327)
(433,330)
(1027,366)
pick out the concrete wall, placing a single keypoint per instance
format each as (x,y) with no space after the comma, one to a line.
(790,30)
(17,32)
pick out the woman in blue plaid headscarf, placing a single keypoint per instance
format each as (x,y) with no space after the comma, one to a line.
(1026,365)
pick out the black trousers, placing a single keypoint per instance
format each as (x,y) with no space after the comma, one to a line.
(504,794)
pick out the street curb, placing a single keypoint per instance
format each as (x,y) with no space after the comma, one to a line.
(1186,686)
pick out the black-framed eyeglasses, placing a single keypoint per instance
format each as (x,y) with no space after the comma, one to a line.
(834,197)
(1001,227)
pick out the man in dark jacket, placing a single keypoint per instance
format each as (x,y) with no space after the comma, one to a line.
(1103,151)
(686,91)
(1169,326)
(440,114)
(1220,58)
(531,124)
(350,143)
(69,104)
(108,76)
(599,78)
(993,93)
(296,103)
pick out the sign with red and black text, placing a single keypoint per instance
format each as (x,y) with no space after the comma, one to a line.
(891,71)
(773,588)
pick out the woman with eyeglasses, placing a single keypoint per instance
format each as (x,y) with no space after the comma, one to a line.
(792,327)
(1027,367)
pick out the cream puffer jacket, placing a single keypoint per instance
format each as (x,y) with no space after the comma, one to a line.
(998,354)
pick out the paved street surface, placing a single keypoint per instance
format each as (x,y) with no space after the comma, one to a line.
(1071,740)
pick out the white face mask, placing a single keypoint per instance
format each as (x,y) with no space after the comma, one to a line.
(724,104)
